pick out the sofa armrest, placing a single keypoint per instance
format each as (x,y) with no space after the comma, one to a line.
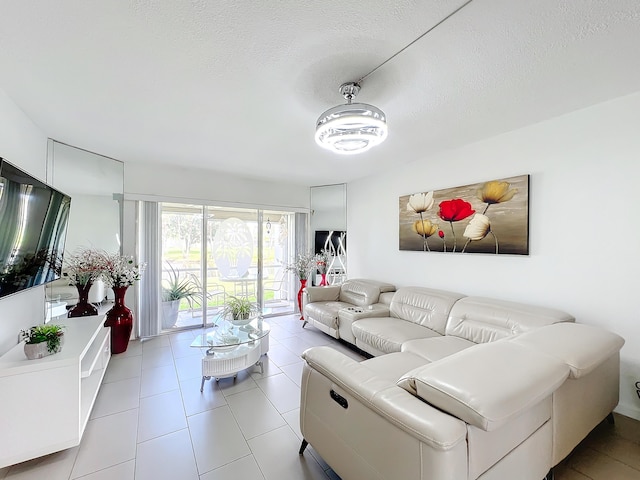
(330,293)
(351,314)
(429,425)
(489,384)
(582,347)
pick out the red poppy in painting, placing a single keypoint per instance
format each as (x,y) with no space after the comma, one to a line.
(441,234)
(455,210)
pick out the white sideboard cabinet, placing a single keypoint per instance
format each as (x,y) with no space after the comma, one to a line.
(45,403)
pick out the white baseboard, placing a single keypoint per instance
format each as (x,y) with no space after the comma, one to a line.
(628,411)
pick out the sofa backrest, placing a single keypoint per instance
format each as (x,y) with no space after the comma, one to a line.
(482,320)
(424,306)
(359,292)
(383,287)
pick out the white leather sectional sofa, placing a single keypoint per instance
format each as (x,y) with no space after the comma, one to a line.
(457,387)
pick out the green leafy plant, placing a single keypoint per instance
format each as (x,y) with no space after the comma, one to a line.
(238,308)
(176,288)
(52,334)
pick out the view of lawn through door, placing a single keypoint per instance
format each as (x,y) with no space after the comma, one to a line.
(219,252)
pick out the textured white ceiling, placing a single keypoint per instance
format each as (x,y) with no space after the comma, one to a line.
(237,86)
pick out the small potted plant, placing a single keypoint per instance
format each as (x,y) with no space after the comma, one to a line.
(239,310)
(174,289)
(43,340)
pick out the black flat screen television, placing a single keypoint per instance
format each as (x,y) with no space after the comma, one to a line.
(33,228)
(324,237)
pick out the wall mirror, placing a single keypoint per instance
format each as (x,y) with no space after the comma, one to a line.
(95,184)
(329,227)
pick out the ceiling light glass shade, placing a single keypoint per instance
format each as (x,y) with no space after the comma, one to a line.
(351,128)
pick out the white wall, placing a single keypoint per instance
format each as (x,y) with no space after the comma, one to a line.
(203,185)
(25,145)
(329,207)
(94,221)
(584,229)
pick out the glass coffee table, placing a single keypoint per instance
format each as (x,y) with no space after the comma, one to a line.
(229,348)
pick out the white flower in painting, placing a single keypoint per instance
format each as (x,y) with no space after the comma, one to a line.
(478,227)
(420,202)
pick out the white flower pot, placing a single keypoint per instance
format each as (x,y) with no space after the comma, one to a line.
(34,351)
(170,313)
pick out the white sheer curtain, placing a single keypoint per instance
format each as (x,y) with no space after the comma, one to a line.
(149,231)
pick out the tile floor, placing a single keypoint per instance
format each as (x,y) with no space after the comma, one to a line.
(150,421)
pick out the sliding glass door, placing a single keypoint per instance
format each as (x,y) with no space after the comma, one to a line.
(278,249)
(182,295)
(220,252)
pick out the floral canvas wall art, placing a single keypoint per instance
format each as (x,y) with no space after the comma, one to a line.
(487,217)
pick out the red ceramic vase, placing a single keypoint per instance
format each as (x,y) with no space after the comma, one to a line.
(303,283)
(83,308)
(120,319)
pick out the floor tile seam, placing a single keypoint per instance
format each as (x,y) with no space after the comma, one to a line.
(73,465)
(580,473)
(286,425)
(187,343)
(175,371)
(101,469)
(120,379)
(184,410)
(273,404)
(623,437)
(290,378)
(155,393)
(193,447)
(227,395)
(160,436)
(610,457)
(244,435)
(225,464)
(163,434)
(602,452)
(246,438)
(204,411)
(114,413)
(285,364)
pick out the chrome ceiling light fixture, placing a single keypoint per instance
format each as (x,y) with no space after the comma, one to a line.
(357,127)
(353,127)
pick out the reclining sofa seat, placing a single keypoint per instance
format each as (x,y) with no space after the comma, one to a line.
(474,320)
(459,429)
(434,423)
(333,308)
(414,312)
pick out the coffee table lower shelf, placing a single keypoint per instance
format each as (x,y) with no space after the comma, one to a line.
(218,363)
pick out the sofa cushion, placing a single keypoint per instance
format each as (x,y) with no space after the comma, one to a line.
(487,385)
(435,348)
(394,365)
(325,312)
(424,306)
(387,334)
(482,320)
(582,347)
